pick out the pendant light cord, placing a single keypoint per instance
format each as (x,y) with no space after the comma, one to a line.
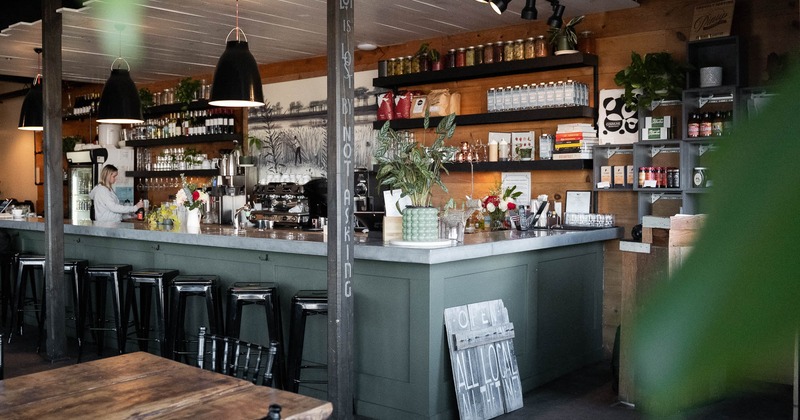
(38,78)
(237,29)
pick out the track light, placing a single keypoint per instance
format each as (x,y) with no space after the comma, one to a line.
(529,11)
(555,21)
(500,6)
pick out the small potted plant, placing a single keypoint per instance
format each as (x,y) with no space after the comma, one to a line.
(187,90)
(414,169)
(146,98)
(429,58)
(650,79)
(564,38)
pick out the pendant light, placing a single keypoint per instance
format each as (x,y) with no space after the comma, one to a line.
(499,6)
(119,102)
(237,82)
(31,115)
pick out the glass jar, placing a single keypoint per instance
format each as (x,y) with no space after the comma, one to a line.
(424,62)
(390,67)
(469,58)
(479,53)
(519,49)
(508,51)
(400,66)
(450,59)
(414,64)
(461,57)
(586,43)
(540,47)
(498,52)
(488,54)
(529,52)
(407,64)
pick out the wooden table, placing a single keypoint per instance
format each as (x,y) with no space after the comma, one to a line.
(141,385)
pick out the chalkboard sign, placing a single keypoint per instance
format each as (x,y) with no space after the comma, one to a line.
(485,372)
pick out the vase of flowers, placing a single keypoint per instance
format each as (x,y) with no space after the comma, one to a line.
(194,200)
(165,216)
(497,204)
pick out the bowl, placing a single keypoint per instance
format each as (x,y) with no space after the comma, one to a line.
(16,213)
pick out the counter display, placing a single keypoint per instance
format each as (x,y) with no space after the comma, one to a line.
(551,282)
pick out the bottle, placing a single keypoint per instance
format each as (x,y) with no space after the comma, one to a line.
(716,124)
(492,151)
(693,126)
(727,123)
(705,125)
(274,412)
(503,150)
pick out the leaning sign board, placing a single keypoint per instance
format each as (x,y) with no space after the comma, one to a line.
(712,20)
(480,339)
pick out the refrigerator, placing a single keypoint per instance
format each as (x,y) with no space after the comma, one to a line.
(84,173)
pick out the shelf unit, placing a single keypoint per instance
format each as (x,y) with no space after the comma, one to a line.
(169,141)
(560,62)
(172,174)
(604,155)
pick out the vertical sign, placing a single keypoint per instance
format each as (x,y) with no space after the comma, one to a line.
(341,126)
(485,372)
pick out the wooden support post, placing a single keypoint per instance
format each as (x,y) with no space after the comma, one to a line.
(53,181)
(341,127)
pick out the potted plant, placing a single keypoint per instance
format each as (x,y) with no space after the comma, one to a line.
(650,79)
(565,38)
(429,58)
(187,90)
(146,98)
(69,143)
(414,169)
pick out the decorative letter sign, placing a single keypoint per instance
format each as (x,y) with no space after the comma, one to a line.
(485,372)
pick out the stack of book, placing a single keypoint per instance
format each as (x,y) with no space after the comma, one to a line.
(575,141)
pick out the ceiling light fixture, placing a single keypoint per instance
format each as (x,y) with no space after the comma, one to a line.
(119,102)
(500,6)
(31,115)
(482,1)
(529,11)
(237,82)
(555,21)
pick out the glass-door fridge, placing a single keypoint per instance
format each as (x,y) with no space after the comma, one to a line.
(84,172)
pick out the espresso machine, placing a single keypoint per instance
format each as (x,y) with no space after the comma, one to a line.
(284,204)
(228,192)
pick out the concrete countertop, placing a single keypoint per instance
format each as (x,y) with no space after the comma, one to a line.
(294,241)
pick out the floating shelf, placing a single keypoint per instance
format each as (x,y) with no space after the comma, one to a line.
(168,141)
(497,117)
(555,62)
(532,165)
(168,174)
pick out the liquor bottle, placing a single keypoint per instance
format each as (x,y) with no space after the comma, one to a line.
(727,123)
(693,127)
(717,124)
(705,125)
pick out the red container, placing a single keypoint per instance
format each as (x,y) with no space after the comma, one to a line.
(386,106)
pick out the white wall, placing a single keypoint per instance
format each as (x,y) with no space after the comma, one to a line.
(16,154)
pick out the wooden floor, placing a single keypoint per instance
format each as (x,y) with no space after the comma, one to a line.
(583,394)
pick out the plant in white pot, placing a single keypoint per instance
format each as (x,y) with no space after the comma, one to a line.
(414,169)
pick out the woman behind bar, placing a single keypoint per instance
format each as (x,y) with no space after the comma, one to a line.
(106,203)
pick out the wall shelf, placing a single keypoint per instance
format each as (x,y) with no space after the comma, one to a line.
(496,117)
(169,141)
(556,62)
(531,165)
(168,174)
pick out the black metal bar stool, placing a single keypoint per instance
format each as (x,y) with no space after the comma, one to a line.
(266,295)
(101,275)
(27,265)
(6,282)
(147,281)
(305,303)
(183,287)
(75,269)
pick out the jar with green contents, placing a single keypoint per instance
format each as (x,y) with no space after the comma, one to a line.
(469,58)
(399,66)
(407,64)
(390,67)
(508,51)
(479,54)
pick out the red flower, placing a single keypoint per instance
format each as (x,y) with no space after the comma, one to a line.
(195,195)
(511,206)
(491,199)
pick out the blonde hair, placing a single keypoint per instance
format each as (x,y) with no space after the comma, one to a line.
(106,173)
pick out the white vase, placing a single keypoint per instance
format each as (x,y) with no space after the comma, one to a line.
(193,220)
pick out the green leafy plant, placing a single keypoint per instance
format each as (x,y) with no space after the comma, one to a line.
(187,89)
(651,78)
(432,53)
(566,33)
(69,143)
(146,98)
(411,167)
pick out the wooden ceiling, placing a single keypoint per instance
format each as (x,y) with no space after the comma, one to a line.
(168,39)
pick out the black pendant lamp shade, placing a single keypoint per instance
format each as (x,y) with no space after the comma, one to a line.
(500,6)
(31,116)
(237,82)
(119,102)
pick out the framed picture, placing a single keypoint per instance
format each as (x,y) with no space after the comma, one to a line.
(579,202)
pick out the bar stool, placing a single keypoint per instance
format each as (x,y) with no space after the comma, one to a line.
(6,282)
(27,267)
(146,281)
(101,275)
(75,269)
(183,287)
(266,295)
(304,304)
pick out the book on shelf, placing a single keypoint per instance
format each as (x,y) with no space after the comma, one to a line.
(571,156)
(575,135)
